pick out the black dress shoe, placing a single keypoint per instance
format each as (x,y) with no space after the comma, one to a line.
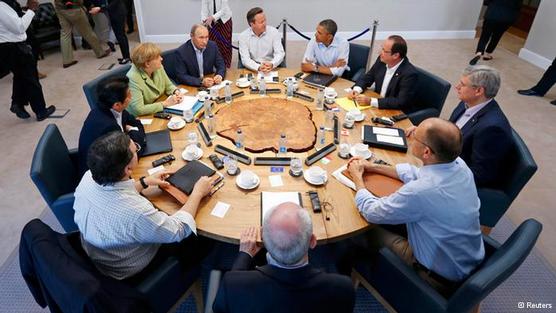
(124,61)
(529,92)
(69,64)
(475,60)
(19,111)
(47,112)
(553,102)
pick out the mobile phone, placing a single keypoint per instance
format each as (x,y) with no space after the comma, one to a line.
(163,115)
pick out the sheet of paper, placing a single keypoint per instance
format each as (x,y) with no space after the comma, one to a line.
(146,121)
(222,84)
(386,131)
(390,139)
(187,103)
(348,104)
(155,169)
(275,180)
(268,77)
(342,179)
(220,209)
(272,199)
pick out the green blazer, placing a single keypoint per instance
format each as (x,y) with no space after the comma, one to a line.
(145,90)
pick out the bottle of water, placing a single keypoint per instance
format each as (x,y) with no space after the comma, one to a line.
(228,93)
(320,99)
(262,87)
(253,83)
(282,149)
(211,125)
(289,85)
(321,139)
(239,139)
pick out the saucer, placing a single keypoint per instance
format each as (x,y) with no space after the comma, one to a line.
(244,85)
(240,185)
(359,118)
(197,155)
(312,182)
(366,156)
(172,125)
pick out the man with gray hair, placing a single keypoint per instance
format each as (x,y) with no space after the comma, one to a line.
(287,283)
(487,135)
(326,53)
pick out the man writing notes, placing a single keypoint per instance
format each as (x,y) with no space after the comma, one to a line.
(199,57)
(438,203)
(326,53)
(395,79)
(260,46)
(287,283)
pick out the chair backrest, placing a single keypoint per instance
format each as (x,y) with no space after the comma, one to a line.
(45,16)
(496,267)
(521,167)
(169,60)
(52,170)
(432,91)
(358,57)
(90,87)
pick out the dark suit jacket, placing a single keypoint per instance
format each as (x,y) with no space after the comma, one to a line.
(272,289)
(61,276)
(187,68)
(113,7)
(100,122)
(487,140)
(401,90)
(503,11)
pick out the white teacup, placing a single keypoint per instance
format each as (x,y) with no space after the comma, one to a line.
(191,151)
(330,92)
(201,95)
(242,81)
(248,178)
(316,174)
(361,149)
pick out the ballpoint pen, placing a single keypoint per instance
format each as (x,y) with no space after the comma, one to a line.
(355,102)
(216,188)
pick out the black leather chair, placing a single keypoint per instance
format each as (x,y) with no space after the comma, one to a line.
(54,171)
(520,167)
(431,95)
(357,62)
(169,60)
(45,27)
(404,290)
(90,87)
(61,276)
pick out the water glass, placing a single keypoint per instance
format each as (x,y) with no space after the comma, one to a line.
(188,115)
(231,164)
(192,138)
(213,93)
(329,120)
(296,166)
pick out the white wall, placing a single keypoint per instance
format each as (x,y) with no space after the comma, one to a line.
(170,20)
(540,47)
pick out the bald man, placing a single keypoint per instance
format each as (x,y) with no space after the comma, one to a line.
(197,59)
(287,283)
(438,204)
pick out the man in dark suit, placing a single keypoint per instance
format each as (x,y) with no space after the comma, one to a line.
(548,80)
(395,79)
(287,283)
(487,137)
(113,98)
(199,57)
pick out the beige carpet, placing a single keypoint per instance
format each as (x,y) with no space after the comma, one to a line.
(531,117)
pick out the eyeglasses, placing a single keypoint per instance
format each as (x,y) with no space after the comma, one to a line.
(137,146)
(421,142)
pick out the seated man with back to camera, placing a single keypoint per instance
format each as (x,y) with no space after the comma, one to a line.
(110,115)
(326,53)
(287,283)
(148,81)
(124,235)
(438,204)
(260,46)
(395,79)
(199,57)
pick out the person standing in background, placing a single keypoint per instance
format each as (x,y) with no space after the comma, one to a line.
(129,16)
(216,15)
(116,11)
(548,80)
(499,16)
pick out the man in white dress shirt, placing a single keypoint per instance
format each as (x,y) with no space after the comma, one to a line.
(260,46)
(122,232)
(326,53)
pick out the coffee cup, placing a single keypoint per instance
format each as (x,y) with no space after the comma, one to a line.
(248,178)
(316,174)
(328,99)
(355,113)
(191,151)
(330,92)
(242,81)
(361,149)
(201,95)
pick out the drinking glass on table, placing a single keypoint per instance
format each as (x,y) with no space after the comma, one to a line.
(296,166)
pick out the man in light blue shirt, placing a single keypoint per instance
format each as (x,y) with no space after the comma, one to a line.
(326,53)
(438,203)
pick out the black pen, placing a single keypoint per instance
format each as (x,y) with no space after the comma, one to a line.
(355,102)
(216,189)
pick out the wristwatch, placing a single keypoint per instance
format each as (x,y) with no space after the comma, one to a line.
(143,183)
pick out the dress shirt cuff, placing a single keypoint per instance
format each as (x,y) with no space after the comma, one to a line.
(374,102)
(404,171)
(357,89)
(188,219)
(135,128)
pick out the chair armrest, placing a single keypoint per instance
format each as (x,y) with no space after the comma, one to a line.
(417,117)
(494,203)
(392,277)
(74,157)
(357,74)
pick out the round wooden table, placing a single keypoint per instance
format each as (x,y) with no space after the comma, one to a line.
(339,219)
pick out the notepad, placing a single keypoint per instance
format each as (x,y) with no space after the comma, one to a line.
(348,104)
(271,199)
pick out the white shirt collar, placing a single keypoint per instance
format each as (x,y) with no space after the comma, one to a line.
(253,33)
(474,109)
(270,260)
(394,68)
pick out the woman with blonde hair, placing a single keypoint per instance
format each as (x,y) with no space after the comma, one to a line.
(148,81)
